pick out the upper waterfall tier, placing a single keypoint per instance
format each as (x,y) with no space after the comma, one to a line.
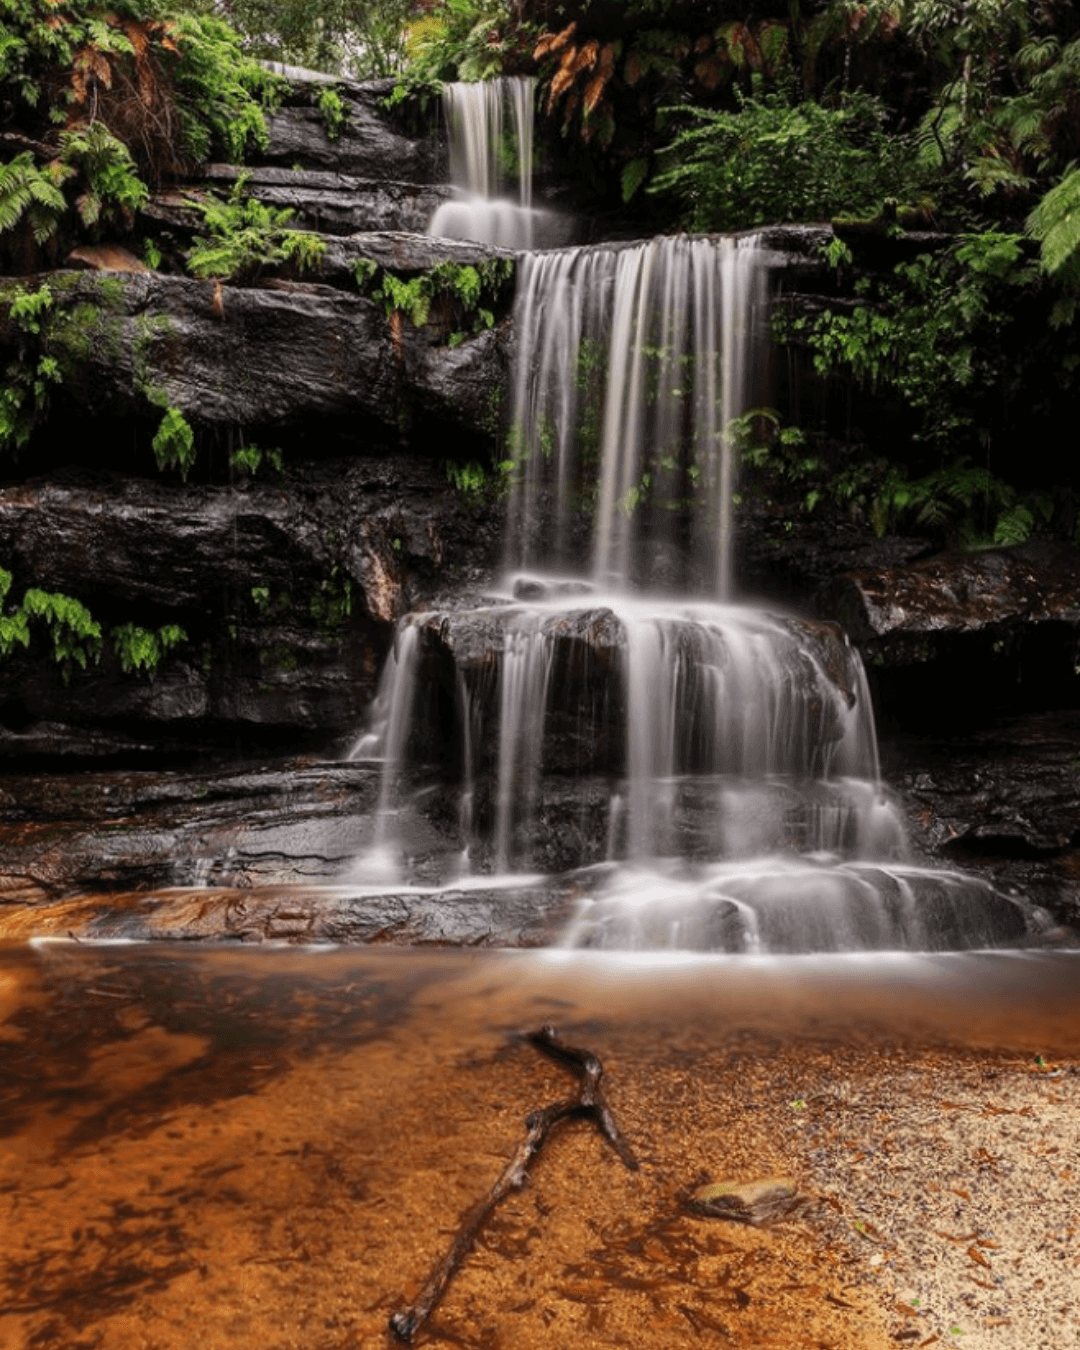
(491,165)
(633,368)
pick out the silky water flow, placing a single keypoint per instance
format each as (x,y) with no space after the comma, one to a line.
(490,126)
(702,774)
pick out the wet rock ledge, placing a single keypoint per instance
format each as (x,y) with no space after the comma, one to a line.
(286,591)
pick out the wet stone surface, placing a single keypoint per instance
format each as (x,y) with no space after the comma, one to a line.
(1003,802)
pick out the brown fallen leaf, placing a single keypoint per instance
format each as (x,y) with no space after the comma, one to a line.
(961,1239)
(978,1257)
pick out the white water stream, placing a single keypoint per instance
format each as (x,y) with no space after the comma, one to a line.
(491,165)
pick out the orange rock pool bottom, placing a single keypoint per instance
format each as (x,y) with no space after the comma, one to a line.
(227,1148)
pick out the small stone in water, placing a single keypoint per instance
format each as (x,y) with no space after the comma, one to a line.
(753,1202)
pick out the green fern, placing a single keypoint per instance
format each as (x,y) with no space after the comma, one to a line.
(142,649)
(174,443)
(26,190)
(244,236)
(112,183)
(1055,223)
(333,110)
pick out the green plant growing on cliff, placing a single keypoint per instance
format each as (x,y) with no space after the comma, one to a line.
(472,289)
(24,395)
(469,479)
(32,194)
(331,605)
(115,95)
(174,443)
(469,40)
(222,90)
(76,635)
(141,649)
(250,459)
(932,333)
(245,236)
(331,106)
(111,183)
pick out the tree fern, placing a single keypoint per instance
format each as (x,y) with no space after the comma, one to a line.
(1055,223)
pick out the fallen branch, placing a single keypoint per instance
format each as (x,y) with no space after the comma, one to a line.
(588,1101)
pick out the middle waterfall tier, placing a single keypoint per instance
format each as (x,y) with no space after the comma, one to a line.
(633,370)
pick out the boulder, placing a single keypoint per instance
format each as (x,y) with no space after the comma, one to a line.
(900,612)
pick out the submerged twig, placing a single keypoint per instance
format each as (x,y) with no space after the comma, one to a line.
(589,1100)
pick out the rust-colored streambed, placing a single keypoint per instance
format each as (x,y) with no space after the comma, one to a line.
(223,1148)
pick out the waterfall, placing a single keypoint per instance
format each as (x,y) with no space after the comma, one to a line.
(706,771)
(491,127)
(637,362)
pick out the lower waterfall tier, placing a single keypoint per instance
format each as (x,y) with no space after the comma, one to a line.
(701,776)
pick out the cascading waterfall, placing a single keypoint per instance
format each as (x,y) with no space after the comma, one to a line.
(491,148)
(634,362)
(739,804)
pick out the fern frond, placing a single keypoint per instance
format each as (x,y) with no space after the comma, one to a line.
(25,190)
(1055,223)
(1037,54)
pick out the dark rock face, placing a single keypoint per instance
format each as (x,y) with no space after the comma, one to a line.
(270,358)
(288,594)
(332,203)
(899,611)
(249,847)
(1003,801)
(373,143)
(962,639)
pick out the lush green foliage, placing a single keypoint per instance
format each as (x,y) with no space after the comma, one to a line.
(32,193)
(1055,223)
(251,458)
(141,649)
(24,395)
(330,105)
(468,40)
(76,636)
(772,161)
(166,87)
(102,101)
(174,443)
(931,333)
(111,184)
(959,501)
(363,38)
(244,236)
(221,90)
(472,290)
